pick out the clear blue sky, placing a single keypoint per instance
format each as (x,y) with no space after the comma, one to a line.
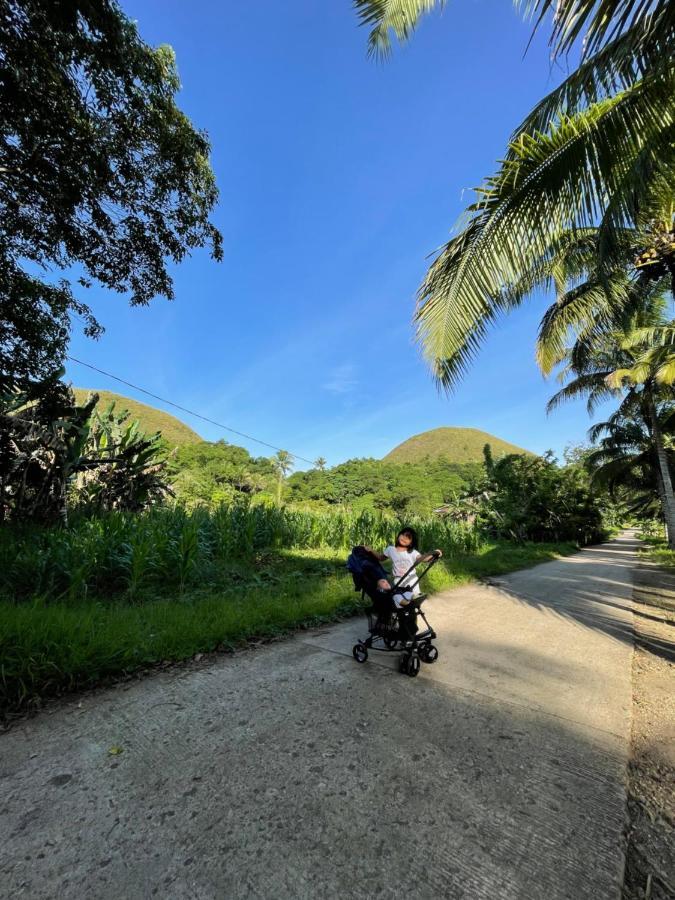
(338,176)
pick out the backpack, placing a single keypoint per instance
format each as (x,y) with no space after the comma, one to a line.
(366,569)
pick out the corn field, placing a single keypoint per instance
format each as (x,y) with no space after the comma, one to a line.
(171,547)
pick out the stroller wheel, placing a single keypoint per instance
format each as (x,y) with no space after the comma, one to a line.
(410,664)
(413,667)
(360,653)
(429,653)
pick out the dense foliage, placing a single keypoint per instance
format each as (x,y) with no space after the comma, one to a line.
(99,169)
(55,454)
(534,499)
(405,489)
(214,473)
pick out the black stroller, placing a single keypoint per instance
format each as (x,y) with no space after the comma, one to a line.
(392,629)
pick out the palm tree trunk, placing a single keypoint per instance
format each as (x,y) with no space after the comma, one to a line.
(667,497)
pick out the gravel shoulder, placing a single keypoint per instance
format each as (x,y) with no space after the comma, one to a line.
(650,855)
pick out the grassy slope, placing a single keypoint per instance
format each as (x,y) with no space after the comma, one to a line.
(49,648)
(460,445)
(174,432)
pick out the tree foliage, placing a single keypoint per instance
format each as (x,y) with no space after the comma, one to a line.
(371,484)
(102,177)
(526,498)
(211,473)
(55,455)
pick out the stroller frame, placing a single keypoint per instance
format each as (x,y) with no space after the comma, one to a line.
(385,632)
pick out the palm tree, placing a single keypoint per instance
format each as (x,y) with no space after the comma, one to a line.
(624,462)
(612,365)
(283,463)
(320,464)
(599,150)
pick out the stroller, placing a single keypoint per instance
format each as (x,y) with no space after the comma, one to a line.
(392,629)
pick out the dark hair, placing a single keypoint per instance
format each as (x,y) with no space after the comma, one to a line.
(413,536)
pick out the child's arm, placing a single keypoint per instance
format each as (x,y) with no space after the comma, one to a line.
(380,556)
(427,557)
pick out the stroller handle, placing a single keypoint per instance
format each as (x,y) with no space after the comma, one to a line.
(432,562)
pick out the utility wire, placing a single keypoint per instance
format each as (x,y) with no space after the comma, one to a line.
(188,411)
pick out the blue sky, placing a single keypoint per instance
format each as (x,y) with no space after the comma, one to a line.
(338,177)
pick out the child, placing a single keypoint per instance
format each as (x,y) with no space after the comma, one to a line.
(403,555)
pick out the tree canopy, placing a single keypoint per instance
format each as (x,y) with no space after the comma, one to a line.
(102,177)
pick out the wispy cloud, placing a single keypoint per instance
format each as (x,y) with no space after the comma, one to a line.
(342,379)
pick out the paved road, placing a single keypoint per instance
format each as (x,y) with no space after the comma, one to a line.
(293,772)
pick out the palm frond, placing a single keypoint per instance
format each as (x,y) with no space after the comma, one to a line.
(551,184)
(640,51)
(387,17)
(594,387)
(597,21)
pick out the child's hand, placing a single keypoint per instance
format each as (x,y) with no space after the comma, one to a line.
(437,554)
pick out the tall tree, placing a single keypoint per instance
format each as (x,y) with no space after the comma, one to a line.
(623,458)
(606,367)
(101,173)
(283,462)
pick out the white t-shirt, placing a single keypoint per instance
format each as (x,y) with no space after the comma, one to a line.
(401,561)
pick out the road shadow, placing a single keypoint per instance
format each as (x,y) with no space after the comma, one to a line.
(593,588)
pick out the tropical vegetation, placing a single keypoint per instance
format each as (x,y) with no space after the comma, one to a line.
(597,152)
(103,179)
(120,591)
(583,201)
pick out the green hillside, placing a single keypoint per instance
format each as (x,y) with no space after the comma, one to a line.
(459,445)
(174,432)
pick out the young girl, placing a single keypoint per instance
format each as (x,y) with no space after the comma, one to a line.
(403,555)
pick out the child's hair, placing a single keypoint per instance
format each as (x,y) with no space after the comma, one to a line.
(413,538)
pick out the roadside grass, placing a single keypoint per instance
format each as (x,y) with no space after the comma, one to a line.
(49,647)
(658,552)
(656,549)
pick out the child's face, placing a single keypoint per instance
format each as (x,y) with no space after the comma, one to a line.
(404,540)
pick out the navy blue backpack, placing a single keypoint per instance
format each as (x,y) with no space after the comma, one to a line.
(366,570)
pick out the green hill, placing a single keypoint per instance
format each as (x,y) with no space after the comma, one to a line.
(459,445)
(174,432)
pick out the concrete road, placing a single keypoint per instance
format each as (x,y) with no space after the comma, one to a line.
(293,772)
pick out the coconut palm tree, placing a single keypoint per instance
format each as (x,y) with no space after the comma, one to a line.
(624,462)
(283,463)
(599,150)
(613,365)
(320,464)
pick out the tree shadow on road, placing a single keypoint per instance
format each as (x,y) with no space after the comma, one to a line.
(594,589)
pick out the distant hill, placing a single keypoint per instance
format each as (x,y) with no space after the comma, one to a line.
(174,432)
(459,445)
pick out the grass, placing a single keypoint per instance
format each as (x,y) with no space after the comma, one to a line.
(657,551)
(654,536)
(459,445)
(174,432)
(48,647)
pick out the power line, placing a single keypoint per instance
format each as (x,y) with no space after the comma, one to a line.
(185,410)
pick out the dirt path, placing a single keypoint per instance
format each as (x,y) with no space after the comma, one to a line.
(650,864)
(293,772)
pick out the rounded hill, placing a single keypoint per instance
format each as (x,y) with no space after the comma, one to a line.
(459,445)
(174,432)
